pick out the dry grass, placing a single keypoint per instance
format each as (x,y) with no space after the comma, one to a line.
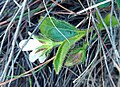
(17,17)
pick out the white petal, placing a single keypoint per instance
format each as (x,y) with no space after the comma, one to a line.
(42,58)
(34,56)
(31,44)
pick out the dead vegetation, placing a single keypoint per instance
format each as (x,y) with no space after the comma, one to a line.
(102,65)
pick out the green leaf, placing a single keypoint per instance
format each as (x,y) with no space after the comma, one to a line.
(107,21)
(118,4)
(103,5)
(76,56)
(50,25)
(63,50)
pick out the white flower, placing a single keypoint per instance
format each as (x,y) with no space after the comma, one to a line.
(31,45)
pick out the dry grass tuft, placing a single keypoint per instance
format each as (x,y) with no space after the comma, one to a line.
(102,65)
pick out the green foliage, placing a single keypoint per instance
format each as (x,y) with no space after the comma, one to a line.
(76,56)
(107,22)
(118,4)
(52,28)
(57,30)
(48,44)
(103,5)
(63,50)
